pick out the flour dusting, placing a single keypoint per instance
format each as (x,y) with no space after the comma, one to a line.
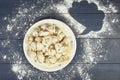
(92,52)
(5,43)
(4,57)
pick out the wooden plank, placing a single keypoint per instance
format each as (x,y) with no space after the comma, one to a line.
(100,50)
(15,6)
(32,73)
(98,72)
(6,72)
(92,23)
(105,72)
(108,49)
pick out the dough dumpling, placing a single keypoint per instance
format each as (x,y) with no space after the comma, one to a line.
(40,46)
(33,46)
(40,57)
(59,48)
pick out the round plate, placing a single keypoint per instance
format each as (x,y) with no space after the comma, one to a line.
(65,28)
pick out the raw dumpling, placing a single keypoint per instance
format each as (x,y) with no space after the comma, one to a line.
(35,33)
(43,33)
(40,46)
(40,57)
(59,48)
(33,46)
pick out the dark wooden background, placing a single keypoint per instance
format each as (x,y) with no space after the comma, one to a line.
(108,69)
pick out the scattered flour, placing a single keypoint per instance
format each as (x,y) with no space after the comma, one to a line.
(4,57)
(79,28)
(5,43)
(20,70)
(92,50)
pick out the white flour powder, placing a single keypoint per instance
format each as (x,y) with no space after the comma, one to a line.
(92,50)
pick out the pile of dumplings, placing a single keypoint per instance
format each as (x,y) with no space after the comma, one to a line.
(49,45)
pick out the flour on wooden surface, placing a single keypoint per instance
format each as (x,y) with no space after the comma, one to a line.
(92,50)
(4,57)
(5,43)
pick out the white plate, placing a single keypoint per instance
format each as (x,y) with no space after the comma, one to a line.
(65,29)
